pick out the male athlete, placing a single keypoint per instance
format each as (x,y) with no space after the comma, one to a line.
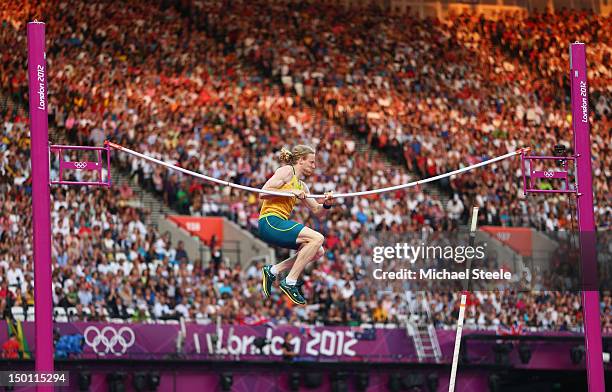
(275,227)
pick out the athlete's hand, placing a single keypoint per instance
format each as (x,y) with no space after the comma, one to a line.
(329,197)
(299,193)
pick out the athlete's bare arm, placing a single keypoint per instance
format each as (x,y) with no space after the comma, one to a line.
(281,176)
(314,206)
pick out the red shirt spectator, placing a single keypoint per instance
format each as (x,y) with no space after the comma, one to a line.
(10,348)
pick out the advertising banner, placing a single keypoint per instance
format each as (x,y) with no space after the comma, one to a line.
(517,238)
(205,227)
(264,343)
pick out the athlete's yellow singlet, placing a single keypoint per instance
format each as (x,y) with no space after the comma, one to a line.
(281,206)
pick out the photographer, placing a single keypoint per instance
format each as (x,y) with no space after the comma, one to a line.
(288,349)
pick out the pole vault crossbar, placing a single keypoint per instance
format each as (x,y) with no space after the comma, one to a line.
(172,166)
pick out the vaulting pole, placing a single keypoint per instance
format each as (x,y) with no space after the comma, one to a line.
(466,292)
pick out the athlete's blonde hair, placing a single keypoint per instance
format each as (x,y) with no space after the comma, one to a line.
(287,157)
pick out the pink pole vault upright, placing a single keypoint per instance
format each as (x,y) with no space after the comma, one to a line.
(41,203)
(586,219)
(583,189)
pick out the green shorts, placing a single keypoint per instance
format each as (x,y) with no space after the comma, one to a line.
(280,232)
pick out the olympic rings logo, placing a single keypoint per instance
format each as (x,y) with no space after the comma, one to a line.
(109,340)
(549,174)
(80,165)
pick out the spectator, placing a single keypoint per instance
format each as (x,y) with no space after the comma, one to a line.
(288,350)
(10,348)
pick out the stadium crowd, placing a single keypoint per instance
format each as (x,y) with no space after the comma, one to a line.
(414,90)
(173,80)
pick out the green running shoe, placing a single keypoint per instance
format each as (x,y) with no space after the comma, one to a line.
(299,285)
(293,292)
(267,279)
